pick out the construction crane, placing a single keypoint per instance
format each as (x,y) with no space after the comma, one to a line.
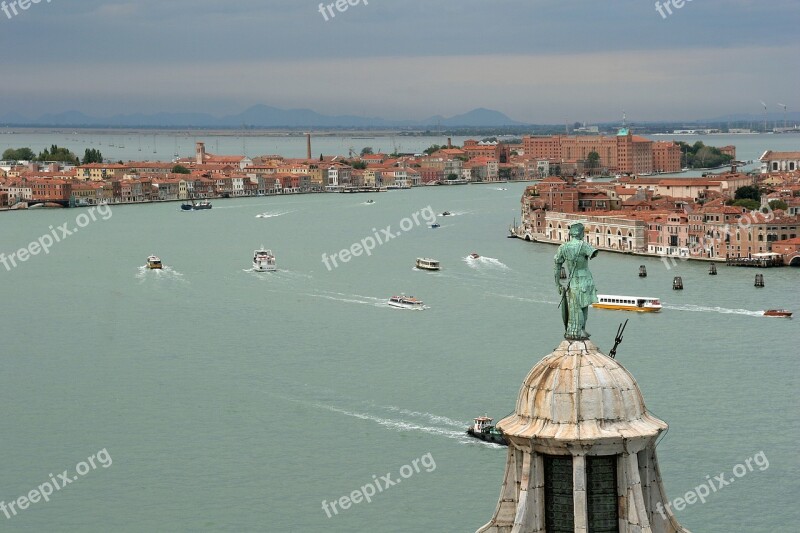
(784,106)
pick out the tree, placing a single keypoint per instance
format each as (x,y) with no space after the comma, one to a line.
(778,204)
(180,169)
(55,153)
(452,176)
(593,160)
(748,192)
(19,154)
(367,150)
(433,148)
(92,155)
(747,203)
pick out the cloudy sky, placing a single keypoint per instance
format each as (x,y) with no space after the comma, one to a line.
(535,60)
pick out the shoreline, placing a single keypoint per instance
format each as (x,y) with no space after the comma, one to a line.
(662,258)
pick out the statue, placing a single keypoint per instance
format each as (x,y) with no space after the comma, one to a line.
(579,292)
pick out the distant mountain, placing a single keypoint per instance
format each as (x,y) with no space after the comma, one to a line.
(476,117)
(258,116)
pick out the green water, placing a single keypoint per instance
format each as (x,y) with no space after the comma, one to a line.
(236,401)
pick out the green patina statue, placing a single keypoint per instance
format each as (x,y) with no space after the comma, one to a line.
(579,292)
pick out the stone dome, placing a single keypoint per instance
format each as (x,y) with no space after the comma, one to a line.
(579,396)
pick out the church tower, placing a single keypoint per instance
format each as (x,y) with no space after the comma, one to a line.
(581,451)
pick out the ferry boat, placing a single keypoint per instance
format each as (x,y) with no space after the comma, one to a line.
(483,429)
(406,302)
(154,263)
(782,313)
(424,263)
(264,261)
(641,304)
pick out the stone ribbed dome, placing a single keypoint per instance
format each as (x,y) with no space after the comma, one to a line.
(577,395)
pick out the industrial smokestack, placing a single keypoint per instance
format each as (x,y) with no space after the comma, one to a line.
(449,142)
(308,146)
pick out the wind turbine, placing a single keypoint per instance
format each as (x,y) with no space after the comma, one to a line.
(765,115)
(784,114)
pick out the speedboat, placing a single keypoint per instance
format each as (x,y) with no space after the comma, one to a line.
(641,304)
(435,225)
(474,255)
(370,201)
(483,429)
(154,263)
(423,263)
(264,261)
(782,313)
(406,302)
(446,214)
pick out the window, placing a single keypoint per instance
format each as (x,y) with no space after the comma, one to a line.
(601,494)
(559,501)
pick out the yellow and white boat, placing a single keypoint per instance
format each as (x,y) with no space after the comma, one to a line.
(154,263)
(640,304)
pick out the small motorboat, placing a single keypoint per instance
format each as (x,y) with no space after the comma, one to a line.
(406,302)
(446,214)
(423,263)
(474,255)
(191,205)
(264,260)
(154,263)
(370,201)
(483,429)
(780,313)
(435,225)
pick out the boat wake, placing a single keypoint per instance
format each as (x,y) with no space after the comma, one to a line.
(434,424)
(403,425)
(706,309)
(486,262)
(273,214)
(350,298)
(523,299)
(436,419)
(166,274)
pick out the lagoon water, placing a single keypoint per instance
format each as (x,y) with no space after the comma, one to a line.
(164,145)
(236,401)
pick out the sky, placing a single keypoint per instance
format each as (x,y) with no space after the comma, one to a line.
(538,61)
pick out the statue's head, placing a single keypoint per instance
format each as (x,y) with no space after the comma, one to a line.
(576,230)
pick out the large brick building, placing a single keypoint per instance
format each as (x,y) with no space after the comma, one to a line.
(624,153)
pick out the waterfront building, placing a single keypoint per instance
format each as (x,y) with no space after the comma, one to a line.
(624,153)
(100,171)
(789,250)
(204,158)
(487,149)
(779,162)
